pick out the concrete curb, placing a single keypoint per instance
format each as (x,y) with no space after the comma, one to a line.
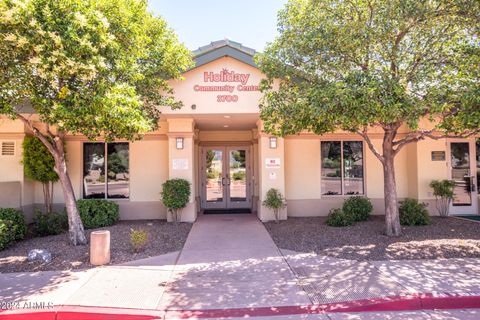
(412,302)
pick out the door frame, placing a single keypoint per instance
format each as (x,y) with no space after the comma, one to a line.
(464,209)
(226,203)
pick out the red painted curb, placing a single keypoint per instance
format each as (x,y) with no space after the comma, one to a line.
(105,313)
(395,303)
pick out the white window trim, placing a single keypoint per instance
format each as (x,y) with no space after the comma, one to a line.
(14,148)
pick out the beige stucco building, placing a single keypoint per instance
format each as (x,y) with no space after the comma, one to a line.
(216,142)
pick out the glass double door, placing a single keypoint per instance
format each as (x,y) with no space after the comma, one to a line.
(225,177)
(464,164)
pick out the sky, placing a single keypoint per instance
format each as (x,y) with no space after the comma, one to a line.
(253,23)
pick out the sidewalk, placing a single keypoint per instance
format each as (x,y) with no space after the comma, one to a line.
(230,267)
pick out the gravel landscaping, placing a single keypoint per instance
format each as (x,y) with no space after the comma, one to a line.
(443,238)
(163,237)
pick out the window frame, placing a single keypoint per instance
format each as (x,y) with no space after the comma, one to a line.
(342,169)
(105,147)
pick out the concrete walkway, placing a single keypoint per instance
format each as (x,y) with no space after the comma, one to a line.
(230,262)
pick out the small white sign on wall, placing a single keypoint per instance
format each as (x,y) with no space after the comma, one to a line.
(272,163)
(272,176)
(180,164)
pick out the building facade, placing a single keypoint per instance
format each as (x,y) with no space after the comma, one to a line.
(216,142)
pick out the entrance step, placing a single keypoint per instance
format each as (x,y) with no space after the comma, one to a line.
(226,211)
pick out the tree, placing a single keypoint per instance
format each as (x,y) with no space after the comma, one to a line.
(375,65)
(38,165)
(96,68)
(444,192)
(175,195)
(275,201)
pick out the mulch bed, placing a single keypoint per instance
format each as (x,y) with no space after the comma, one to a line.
(443,238)
(163,237)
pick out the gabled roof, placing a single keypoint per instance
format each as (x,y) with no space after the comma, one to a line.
(223,48)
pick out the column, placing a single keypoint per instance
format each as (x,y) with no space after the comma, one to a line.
(271,172)
(181,161)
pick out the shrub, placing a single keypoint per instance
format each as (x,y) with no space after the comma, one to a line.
(18,226)
(413,213)
(338,218)
(274,200)
(7,234)
(175,194)
(50,223)
(358,207)
(443,190)
(138,239)
(96,213)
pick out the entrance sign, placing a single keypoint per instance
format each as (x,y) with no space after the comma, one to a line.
(225,81)
(226,76)
(272,163)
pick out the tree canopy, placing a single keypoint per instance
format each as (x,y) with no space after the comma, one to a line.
(353,64)
(88,67)
(37,162)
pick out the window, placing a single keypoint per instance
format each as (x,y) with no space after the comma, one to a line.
(342,168)
(106,176)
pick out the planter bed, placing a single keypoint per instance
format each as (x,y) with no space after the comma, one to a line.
(163,237)
(443,238)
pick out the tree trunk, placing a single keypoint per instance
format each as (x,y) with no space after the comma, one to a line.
(392,218)
(45,196)
(51,196)
(48,196)
(75,225)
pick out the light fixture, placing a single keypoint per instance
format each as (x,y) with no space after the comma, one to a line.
(225,126)
(273,142)
(179,143)
(227,117)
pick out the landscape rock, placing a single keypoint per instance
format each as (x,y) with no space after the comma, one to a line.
(39,255)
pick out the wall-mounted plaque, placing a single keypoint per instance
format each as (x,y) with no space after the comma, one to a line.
(180,164)
(438,155)
(272,163)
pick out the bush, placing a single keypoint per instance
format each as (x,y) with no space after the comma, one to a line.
(338,218)
(275,201)
(443,190)
(413,213)
(138,239)
(7,234)
(358,207)
(50,223)
(175,195)
(96,213)
(18,226)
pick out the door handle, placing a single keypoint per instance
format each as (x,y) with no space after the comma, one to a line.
(223,181)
